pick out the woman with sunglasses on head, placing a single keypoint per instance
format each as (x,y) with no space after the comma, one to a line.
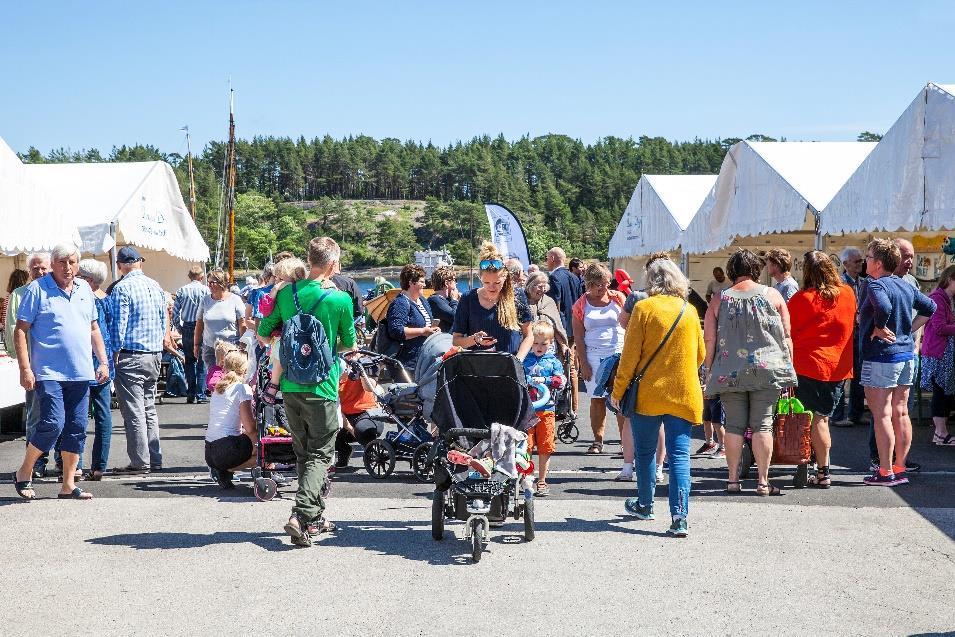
(493,317)
(822,318)
(221,318)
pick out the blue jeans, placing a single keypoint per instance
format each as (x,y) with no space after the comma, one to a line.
(102,425)
(194,367)
(64,410)
(677,432)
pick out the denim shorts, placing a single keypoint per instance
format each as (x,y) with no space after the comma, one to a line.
(887,375)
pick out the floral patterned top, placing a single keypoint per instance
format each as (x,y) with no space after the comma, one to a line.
(751,352)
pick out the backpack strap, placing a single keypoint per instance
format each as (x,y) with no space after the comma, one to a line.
(298,305)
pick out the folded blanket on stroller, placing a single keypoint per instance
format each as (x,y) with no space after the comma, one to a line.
(502,446)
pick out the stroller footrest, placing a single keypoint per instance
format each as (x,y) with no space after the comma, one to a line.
(450,434)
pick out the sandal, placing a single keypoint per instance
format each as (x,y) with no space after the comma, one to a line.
(947,440)
(543,490)
(821,480)
(595,448)
(94,476)
(24,485)
(298,532)
(321,525)
(767,489)
(270,394)
(76,494)
(734,487)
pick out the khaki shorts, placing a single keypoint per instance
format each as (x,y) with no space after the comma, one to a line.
(753,409)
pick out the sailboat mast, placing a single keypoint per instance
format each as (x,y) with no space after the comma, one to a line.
(231,189)
(192,177)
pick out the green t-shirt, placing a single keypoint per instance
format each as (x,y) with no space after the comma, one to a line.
(335,313)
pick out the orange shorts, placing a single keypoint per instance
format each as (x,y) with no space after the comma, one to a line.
(542,434)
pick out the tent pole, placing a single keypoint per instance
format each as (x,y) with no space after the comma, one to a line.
(819,241)
(112,251)
(685,264)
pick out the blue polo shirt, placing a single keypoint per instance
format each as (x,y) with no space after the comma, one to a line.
(60,327)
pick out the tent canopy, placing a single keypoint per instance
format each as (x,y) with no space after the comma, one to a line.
(30,220)
(142,198)
(768,187)
(660,209)
(908,181)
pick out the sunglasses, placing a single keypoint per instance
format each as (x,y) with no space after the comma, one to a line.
(492,264)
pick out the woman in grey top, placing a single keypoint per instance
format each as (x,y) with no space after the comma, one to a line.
(221,318)
(748,361)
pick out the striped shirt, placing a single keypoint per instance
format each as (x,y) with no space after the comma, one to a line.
(185,309)
(138,308)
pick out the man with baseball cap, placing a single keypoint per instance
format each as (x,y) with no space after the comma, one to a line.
(138,306)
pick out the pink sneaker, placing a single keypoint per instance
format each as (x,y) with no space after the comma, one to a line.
(459,457)
(484,466)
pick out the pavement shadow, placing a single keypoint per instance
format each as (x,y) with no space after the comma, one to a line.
(172,540)
(409,540)
(578,525)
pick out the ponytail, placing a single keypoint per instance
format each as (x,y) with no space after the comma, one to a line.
(236,364)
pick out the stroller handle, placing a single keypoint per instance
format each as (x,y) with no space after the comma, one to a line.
(467,433)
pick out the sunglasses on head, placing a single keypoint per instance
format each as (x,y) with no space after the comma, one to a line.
(492,264)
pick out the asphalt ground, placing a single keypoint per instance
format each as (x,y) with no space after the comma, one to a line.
(170,553)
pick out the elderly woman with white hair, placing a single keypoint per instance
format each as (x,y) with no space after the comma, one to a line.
(664,350)
(543,307)
(94,273)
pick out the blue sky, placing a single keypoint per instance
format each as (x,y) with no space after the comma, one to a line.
(99,74)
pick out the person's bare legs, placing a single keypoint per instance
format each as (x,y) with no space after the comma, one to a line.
(598,416)
(821,440)
(248,464)
(70,462)
(880,404)
(25,472)
(661,449)
(543,464)
(941,426)
(762,445)
(626,439)
(734,450)
(901,424)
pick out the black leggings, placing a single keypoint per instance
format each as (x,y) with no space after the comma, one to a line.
(366,430)
(942,403)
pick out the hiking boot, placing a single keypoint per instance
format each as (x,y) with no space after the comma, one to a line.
(679,527)
(632,506)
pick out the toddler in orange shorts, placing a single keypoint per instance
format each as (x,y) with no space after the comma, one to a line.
(542,368)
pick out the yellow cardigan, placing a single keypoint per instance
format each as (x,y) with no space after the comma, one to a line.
(672,382)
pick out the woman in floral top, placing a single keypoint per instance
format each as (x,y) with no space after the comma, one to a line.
(749,360)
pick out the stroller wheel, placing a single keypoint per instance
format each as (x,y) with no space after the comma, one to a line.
(568,433)
(745,462)
(379,458)
(437,514)
(529,520)
(264,488)
(477,540)
(423,470)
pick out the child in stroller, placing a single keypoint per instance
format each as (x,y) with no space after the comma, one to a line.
(482,404)
(275,441)
(401,406)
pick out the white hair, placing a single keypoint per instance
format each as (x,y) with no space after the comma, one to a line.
(849,251)
(63,251)
(535,277)
(664,277)
(93,269)
(38,256)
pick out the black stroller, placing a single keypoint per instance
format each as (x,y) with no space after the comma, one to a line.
(478,392)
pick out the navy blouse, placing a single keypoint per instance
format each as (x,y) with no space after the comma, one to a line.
(403,313)
(472,317)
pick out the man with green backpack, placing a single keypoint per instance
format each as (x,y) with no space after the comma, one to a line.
(316,324)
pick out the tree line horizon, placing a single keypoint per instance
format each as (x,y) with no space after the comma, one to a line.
(564,192)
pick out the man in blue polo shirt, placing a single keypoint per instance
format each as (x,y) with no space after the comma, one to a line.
(56,323)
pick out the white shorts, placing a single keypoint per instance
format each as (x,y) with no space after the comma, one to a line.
(594,359)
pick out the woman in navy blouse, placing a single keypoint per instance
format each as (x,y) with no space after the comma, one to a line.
(409,319)
(493,317)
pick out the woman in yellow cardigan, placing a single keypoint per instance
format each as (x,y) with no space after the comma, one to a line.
(669,392)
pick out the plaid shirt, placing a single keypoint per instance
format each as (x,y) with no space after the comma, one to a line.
(186,307)
(138,308)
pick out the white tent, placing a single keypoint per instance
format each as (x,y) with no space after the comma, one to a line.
(136,203)
(30,220)
(660,209)
(771,187)
(908,181)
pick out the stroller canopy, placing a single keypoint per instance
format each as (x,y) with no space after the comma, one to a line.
(476,389)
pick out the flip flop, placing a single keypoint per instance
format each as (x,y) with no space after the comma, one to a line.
(25,485)
(76,494)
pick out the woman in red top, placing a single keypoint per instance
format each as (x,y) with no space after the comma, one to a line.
(822,315)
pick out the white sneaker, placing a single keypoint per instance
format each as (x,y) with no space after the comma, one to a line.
(659,474)
(626,474)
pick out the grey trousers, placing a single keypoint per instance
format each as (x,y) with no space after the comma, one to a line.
(136,376)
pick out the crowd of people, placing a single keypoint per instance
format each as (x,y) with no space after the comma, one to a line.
(837,342)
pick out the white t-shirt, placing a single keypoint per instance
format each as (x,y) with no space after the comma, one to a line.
(220,319)
(602,332)
(224,411)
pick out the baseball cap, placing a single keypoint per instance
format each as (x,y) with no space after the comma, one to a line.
(128,254)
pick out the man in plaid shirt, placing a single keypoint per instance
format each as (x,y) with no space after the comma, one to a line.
(138,307)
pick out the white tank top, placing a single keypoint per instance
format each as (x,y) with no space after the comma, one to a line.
(602,331)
